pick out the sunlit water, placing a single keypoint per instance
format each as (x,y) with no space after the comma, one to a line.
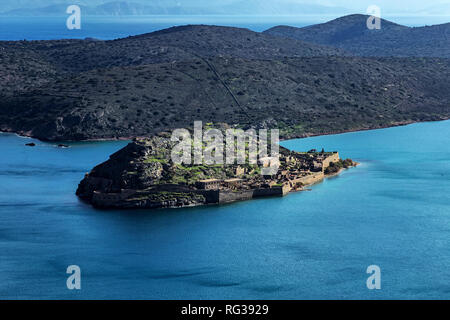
(392,211)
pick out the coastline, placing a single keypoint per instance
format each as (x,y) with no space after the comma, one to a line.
(195,205)
(397,124)
(326,176)
(27,134)
(142,176)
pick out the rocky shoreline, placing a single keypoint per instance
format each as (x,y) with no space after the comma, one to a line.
(142,176)
(28,134)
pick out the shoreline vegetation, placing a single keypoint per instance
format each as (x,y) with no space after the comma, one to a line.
(282,138)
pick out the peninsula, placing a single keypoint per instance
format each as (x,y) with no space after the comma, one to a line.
(142,175)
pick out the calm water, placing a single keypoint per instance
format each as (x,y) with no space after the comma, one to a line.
(393,211)
(45,28)
(106,28)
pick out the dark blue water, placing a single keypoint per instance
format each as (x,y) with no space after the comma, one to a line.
(393,211)
(48,28)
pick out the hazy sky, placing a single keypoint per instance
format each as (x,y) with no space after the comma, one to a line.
(387,6)
(397,6)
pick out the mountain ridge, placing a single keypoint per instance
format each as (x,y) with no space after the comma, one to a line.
(141,85)
(351,34)
(172,44)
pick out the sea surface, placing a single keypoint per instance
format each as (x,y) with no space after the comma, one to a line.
(107,28)
(393,211)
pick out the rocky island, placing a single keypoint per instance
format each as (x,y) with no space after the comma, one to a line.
(142,175)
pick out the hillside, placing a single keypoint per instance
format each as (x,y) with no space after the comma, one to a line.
(351,34)
(138,86)
(169,45)
(302,96)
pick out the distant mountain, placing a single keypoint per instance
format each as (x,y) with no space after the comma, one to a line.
(279,7)
(28,6)
(199,7)
(51,10)
(441,9)
(351,34)
(120,8)
(7,5)
(123,8)
(110,8)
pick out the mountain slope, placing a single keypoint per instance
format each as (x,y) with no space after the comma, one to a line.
(137,86)
(351,34)
(301,96)
(173,44)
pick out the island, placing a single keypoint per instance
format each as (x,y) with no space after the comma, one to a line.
(142,175)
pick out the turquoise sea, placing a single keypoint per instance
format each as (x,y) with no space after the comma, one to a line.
(392,211)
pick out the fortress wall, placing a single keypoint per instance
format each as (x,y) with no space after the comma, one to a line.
(274,191)
(226,196)
(231,196)
(311,179)
(106,200)
(333,158)
(211,196)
